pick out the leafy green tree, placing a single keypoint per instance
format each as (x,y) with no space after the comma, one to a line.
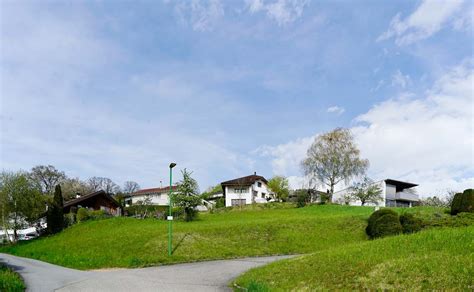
(21,200)
(279,186)
(55,214)
(366,192)
(334,157)
(187,195)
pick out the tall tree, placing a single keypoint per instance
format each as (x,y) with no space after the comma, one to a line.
(21,200)
(187,195)
(46,176)
(334,157)
(71,187)
(279,186)
(366,191)
(103,183)
(129,187)
(55,214)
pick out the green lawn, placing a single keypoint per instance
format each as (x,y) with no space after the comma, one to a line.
(10,281)
(256,231)
(440,259)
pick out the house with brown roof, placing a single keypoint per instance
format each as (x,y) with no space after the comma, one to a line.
(99,200)
(246,190)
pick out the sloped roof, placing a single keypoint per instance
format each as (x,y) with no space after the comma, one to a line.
(244,181)
(88,196)
(153,191)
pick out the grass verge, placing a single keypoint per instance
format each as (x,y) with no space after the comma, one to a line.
(440,259)
(253,231)
(10,281)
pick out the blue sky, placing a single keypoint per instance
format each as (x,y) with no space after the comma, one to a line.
(225,88)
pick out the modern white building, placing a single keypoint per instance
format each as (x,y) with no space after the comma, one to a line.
(395,193)
(156,196)
(246,190)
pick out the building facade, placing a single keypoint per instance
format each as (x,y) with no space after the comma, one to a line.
(246,190)
(153,196)
(395,193)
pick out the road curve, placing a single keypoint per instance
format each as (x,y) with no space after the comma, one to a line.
(200,276)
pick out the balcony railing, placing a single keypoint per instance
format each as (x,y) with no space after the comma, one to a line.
(406,196)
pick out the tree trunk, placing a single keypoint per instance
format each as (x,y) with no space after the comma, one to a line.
(331,192)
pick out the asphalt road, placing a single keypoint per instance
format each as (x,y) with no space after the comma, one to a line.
(202,276)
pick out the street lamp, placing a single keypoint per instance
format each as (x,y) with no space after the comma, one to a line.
(170,217)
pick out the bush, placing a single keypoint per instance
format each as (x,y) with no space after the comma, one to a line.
(98,214)
(463,202)
(301,200)
(386,225)
(410,223)
(82,215)
(370,229)
(220,203)
(69,219)
(456,204)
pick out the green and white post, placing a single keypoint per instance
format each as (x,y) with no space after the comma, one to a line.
(170,216)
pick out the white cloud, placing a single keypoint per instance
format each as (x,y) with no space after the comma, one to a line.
(202,15)
(335,109)
(425,21)
(398,79)
(428,140)
(47,116)
(282,11)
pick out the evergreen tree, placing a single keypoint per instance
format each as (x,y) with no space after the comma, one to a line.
(55,216)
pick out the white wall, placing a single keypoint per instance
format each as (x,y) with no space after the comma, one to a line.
(161,199)
(261,193)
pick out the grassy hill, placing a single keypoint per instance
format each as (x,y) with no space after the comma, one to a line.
(254,231)
(440,259)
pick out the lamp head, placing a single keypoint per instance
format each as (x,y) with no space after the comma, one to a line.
(172,164)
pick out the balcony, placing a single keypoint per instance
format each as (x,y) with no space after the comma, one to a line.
(406,196)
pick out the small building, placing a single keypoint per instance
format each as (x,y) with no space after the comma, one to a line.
(156,196)
(395,193)
(99,200)
(246,190)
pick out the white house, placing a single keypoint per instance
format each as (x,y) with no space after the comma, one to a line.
(394,194)
(156,196)
(246,190)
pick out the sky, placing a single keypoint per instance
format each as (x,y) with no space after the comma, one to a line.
(120,89)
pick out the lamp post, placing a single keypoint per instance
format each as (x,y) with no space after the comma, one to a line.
(170,217)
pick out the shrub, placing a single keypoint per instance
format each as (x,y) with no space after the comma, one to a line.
(467,203)
(82,215)
(376,215)
(456,204)
(98,214)
(388,224)
(463,202)
(410,223)
(301,200)
(69,219)
(220,203)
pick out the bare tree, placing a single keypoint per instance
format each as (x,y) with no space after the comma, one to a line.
(103,183)
(130,187)
(46,177)
(366,191)
(333,157)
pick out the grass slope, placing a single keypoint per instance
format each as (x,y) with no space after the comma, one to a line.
(256,231)
(441,259)
(10,281)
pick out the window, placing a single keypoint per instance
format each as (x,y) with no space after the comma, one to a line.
(259,184)
(241,190)
(263,195)
(238,202)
